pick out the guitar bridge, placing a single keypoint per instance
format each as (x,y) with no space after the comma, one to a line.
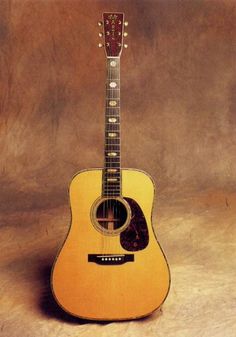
(110,259)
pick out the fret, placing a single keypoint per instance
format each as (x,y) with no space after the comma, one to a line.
(111,158)
(110,116)
(109,112)
(114,165)
(112,188)
(108,162)
(112,144)
(109,141)
(114,128)
(112,140)
(108,149)
(107,157)
(111,194)
(109,187)
(112,191)
(113,86)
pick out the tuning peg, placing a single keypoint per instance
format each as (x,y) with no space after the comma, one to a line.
(125,34)
(100,45)
(100,34)
(100,23)
(126,23)
(125,45)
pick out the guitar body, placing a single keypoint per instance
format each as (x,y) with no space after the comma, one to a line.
(111,274)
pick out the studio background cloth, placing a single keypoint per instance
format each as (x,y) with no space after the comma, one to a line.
(178,117)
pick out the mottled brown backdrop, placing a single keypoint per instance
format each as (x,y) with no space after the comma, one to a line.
(178,94)
(178,123)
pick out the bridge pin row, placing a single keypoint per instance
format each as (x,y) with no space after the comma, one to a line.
(111,258)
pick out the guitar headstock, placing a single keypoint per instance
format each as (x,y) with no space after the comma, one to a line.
(113,33)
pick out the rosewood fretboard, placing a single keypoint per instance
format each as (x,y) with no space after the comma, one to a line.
(111,172)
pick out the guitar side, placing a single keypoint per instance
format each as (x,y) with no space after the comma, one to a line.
(96,291)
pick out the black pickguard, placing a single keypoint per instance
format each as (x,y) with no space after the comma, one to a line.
(135,237)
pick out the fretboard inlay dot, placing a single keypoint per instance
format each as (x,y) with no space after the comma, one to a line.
(112,154)
(113,84)
(112,103)
(113,63)
(112,134)
(112,120)
(111,180)
(111,170)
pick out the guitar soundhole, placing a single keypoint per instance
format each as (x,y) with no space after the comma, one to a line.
(111,215)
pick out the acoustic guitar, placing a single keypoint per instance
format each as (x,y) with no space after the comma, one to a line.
(111,266)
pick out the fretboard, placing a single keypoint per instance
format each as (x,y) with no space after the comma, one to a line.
(111,171)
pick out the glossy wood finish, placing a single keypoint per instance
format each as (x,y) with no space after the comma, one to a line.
(135,237)
(113,33)
(92,291)
(196,228)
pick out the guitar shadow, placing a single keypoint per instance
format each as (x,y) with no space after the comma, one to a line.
(51,309)
(48,304)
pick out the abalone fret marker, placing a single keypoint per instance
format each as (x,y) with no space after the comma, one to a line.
(113,63)
(111,170)
(112,134)
(112,120)
(111,179)
(112,154)
(112,103)
(113,84)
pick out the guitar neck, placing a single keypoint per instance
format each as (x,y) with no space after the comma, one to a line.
(113,32)
(112,153)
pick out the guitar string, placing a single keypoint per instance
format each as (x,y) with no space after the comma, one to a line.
(118,76)
(110,129)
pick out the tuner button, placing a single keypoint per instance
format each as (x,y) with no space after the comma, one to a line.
(126,23)
(125,34)
(100,23)
(125,46)
(100,45)
(100,34)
